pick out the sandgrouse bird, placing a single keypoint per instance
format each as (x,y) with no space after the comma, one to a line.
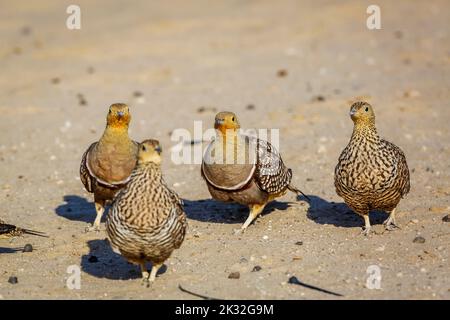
(372,173)
(8,231)
(107,164)
(244,169)
(146,221)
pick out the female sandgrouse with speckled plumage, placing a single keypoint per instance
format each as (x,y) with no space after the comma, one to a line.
(147,221)
(244,169)
(372,173)
(107,164)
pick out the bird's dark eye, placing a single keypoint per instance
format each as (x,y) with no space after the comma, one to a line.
(232,119)
(144,148)
(367,109)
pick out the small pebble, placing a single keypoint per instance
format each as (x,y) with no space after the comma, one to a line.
(282,73)
(250,107)
(13,280)
(299,243)
(446,218)
(55,80)
(256,268)
(137,94)
(93,259)
(319,98)
(419,239)
(27,248)
(234,275)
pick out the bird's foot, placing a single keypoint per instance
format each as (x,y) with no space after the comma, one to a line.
(390,224)
(146,282)
(92,227)
(239,231)
(366,231)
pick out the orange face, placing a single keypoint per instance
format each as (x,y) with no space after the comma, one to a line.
(226,121)
(118,115)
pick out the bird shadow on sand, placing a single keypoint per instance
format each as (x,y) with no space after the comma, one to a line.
(10,250)
(210,210)
(102,262)
(338,214)
(77,208)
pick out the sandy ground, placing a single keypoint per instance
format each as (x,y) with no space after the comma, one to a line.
(167,61)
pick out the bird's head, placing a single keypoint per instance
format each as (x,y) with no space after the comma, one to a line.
(226,120)
(149,151)
(118,115)
(361,112)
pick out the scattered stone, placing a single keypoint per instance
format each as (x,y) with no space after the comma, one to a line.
(398,34)
(25,31)
(265,237)
(318,98)
(250,107)
(20,176)
(137,94)
(243,260)
(27,248)
(299,243)
(415,221)
(282,73)
(419,239)
(204,109)
(90,70)
(234,275)
(446,218)
(411,94)
(55,80)
(13,280)
(256,268)
(93,259)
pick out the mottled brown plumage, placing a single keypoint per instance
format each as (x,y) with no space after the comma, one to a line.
(107,164)
(10,231)
(372,173)
(147,221)
(244,169)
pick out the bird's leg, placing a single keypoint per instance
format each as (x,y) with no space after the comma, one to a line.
(155,268)
(367,226)
(99,208)
(145,274)
(255,210)
(389,223)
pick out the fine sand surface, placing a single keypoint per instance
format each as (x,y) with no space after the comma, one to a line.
(300,64)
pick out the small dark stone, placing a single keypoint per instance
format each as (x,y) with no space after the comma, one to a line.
(318,98)
(13,280)
(55,80)
(82,102)
(243,260)
(90,70)
(28,248)
(256,268)
(299,243)
(93,259)
(250,107)
(20,176)
(234,275)
(137,94)
(282,73)
(309,179)
(446,218)
(398,34)
(26,30)
(419,239)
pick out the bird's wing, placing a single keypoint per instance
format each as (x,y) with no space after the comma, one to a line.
(85,175)
(271,174)
(401,165)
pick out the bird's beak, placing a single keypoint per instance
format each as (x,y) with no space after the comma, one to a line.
(219,122)
(120,114)
(352,112)
(158,149)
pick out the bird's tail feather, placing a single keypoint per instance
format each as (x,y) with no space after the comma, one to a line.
(298,192)
(34,233)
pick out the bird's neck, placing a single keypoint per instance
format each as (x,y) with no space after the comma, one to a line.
(115,134)
(365,131)
(150,170)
